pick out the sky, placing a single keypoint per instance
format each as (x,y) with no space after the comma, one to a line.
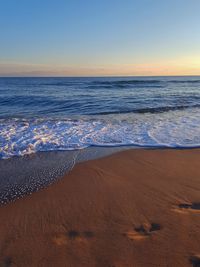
(99,37)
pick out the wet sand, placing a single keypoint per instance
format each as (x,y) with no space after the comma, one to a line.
(136,208)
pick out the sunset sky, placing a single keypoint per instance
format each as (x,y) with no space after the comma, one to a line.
(97,38)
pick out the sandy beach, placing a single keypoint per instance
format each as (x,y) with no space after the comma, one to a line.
(136,208)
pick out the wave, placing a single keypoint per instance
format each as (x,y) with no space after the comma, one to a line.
(176,128)
(158,83)
(149,110)
(116,83)
(100,82)
(185,81)
(119,84)
(92,85)
(123,85)
(126,82)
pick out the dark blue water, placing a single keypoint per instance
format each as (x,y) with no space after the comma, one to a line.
(61,97)
(42,114)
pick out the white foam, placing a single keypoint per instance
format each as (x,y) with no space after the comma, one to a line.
(170,129)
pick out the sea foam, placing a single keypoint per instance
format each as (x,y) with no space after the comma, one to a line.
(180,128)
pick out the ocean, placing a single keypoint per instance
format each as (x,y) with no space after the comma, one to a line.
(58,114)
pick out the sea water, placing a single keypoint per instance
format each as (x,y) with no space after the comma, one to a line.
(52,114)
(68,120)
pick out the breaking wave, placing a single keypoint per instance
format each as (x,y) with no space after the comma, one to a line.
(180,128)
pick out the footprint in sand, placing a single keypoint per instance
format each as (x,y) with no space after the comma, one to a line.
(73,234)
(195,260)
(143,231)
(7,262)
(188,207)
(64,238)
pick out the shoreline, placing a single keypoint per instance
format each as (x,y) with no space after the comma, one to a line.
(139,207)
(24,175)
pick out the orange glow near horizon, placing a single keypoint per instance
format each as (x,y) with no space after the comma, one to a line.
(178,67)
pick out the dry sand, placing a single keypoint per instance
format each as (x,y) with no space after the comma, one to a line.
(137,208)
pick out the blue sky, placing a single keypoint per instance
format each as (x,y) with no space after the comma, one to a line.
(107,37)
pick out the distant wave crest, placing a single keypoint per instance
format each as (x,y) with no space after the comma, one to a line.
(150,110)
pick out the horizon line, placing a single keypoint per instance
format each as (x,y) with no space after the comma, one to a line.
(103,76)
